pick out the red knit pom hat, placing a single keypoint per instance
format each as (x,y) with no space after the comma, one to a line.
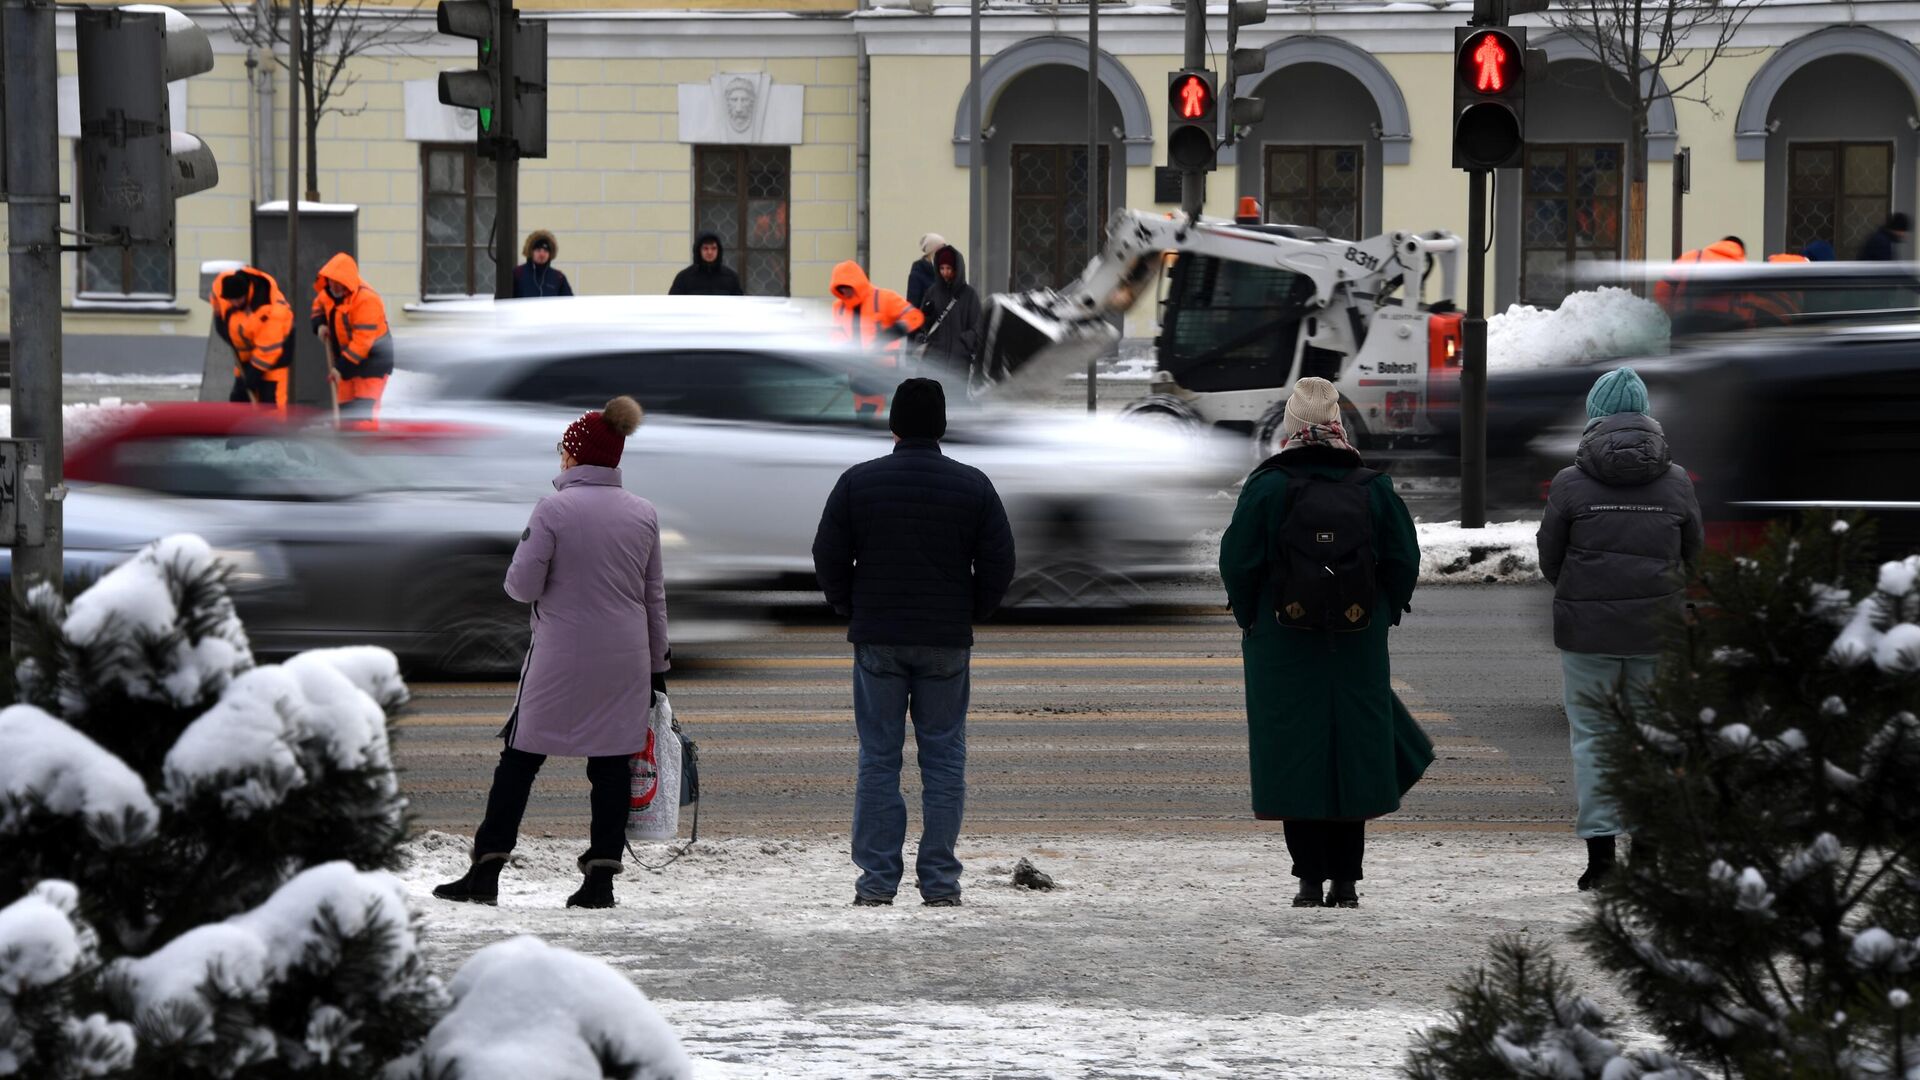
(599,437)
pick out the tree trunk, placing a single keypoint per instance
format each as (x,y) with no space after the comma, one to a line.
(312,114)
(1637,192)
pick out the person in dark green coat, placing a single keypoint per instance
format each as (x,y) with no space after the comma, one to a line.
(1329,742)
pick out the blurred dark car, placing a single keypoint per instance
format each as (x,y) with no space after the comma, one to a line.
(1767,424)
(326,542)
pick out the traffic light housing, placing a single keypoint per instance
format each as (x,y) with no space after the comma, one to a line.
(1489,97)
(1243,111)
(491,88)
(1193,124)
(132,163)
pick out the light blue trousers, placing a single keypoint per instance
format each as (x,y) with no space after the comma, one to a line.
(1591,681)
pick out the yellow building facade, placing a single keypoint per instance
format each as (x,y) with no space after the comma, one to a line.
(822,132)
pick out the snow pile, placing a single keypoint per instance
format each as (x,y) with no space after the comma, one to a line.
(271,730)
(42,946)
(375,671)
(81,421)
(47,766)
(524,1008)
(178,989)
(1885,628)
(136,604)
(1504,553)
(1602,324)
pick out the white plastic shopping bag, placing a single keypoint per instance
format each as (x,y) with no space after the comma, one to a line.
(651,815)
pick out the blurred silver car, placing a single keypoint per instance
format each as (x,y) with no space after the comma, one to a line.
(752,414)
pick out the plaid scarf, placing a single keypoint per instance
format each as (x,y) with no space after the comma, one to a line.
(1329,434)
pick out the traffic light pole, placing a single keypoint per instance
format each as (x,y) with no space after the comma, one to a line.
(1193,182)
(1473,369)
(33,232)
(506,157)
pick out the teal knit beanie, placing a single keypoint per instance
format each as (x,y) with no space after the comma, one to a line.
(1618,391)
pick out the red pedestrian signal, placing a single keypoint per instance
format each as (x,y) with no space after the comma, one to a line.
(1195,98)
(1489,97)
(1193,125)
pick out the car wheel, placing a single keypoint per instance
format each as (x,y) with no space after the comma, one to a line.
(477,631)
(1166,411)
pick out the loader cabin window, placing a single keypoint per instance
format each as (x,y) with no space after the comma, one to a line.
(1052,239)
(456,231)
(1317,186)
(1570,212)
(1837,192)
(1232,325)
(741,194)
(140,273)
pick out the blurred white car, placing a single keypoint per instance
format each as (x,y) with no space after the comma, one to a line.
(752,415)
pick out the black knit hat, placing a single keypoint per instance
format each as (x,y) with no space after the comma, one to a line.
(919,410)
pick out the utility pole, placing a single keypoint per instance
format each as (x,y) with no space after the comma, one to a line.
(1473,367)
(1682,184)
(1095,174)
(295,68)
(506,168)
(1193,182)
(33,261)
(976,161)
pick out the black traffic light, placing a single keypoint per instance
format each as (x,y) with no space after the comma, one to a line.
(1193,125)
(1489,97)
(492,88)
(1243,111)
(132,163)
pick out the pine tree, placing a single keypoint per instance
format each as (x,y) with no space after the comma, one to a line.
(196,855)
(1772,926)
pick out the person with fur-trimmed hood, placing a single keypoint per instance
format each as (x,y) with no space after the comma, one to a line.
(589,564)
(538,277)
(1326,545)
(709,275)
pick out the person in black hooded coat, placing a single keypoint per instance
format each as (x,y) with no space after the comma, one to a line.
(709,275)
(955,317)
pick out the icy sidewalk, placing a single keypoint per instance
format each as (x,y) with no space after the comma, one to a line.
(1156,957)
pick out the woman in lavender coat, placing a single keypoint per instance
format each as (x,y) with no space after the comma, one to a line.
(589,563)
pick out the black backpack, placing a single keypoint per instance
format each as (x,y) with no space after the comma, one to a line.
(1323,573)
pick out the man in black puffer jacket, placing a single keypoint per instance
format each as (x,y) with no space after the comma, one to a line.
(915,547)
(1621,535)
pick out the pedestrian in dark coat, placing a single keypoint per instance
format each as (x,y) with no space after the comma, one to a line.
(709,275)
(1884,244)
(915,547)
(1330,744)
(1618,541)
(538,277)
(922,275)
(589,564)
(955,318)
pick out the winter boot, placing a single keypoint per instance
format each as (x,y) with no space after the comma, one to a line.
(1600,857)
(1309,894)
(861,900)
(481,885)
(597,890)
(1345,894)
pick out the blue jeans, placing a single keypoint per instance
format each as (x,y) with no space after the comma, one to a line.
(931,682)
(1591,682)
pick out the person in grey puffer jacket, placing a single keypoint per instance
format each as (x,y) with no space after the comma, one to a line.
(1620,538)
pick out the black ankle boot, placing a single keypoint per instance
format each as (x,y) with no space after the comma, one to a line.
(1309,895)
(481,885)
(1345,894)
(597,890)
(1600,859)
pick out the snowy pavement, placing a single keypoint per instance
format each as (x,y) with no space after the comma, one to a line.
(1160,958)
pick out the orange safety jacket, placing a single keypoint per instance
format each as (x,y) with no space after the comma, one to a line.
(871,318)
(258,329)
(1671,293)
(362,341)
(1779,306)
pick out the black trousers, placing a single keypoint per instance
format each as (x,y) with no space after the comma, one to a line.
(513,784)
(1326,850)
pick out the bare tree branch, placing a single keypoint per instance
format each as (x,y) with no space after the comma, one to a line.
(334,34)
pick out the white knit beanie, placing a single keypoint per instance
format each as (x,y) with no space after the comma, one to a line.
(931,243)
(1314,401)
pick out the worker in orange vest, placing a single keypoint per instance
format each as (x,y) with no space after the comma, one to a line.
(1776,307)
(351,320)
(252,316)
(1694,311)
(869,317)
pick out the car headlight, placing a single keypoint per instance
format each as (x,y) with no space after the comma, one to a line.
(247,568)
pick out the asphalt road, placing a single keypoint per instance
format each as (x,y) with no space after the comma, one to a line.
(1131,726)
